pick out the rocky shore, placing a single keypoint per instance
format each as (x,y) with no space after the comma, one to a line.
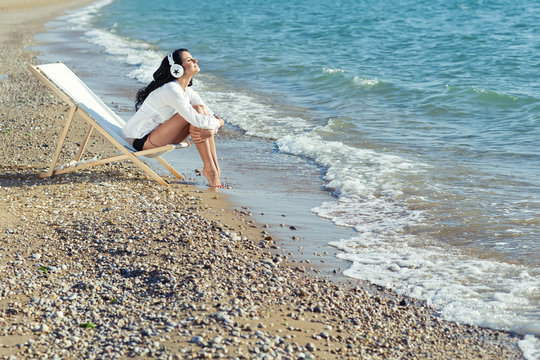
(106,263)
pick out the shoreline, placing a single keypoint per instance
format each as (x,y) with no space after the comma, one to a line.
(186,275)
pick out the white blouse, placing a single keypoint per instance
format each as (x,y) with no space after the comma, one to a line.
(162,104)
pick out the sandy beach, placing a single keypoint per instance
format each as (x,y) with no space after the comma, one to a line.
(106,263)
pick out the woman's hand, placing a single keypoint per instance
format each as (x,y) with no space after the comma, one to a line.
(221,122)
(200,135)
(203,110)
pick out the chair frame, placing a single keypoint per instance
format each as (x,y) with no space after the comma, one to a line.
(93,124)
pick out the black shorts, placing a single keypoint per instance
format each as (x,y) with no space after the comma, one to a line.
(139,143)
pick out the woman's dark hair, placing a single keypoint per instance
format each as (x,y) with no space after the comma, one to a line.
(161,77)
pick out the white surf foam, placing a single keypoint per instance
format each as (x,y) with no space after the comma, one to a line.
(251,113)
(530,345)
(463,288)
(373,198)
(80,19)
(142,57)
(332,70)
(352,172)
(356,80)
(365,82)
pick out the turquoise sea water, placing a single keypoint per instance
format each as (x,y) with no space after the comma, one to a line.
(423,118)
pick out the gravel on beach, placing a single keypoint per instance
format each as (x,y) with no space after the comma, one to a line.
(106,263)
(102,266)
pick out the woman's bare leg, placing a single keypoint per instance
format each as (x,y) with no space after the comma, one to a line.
(172,131)
(176,130)
(209,166)
(214,154)
(204,139)
(201,109)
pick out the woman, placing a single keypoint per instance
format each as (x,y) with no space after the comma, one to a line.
(168,110)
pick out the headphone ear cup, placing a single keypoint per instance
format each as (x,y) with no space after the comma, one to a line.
(177,70)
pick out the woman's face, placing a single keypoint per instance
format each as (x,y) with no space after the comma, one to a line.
(189,64)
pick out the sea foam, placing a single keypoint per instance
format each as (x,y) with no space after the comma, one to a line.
(332,70)
(81,18)
(370,198)
(463,288)
(530,345)
(365,82)
(253,114)
(142,57)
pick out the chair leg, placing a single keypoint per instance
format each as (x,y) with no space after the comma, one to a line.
(90,164)
(148,171)
(169,167)
(60,144)
(85,141)
(111,159)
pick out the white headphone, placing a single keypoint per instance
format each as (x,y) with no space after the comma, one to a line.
(176,70)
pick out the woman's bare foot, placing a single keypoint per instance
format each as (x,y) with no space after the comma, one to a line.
(212,175)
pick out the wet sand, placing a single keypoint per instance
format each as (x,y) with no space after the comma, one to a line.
(106,263)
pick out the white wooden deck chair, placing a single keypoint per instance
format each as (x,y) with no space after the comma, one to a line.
(64,83)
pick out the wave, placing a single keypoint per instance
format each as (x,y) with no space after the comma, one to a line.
(143,57)
(486,97)
(332,70)
(463,288)
(369,185)
(351,172)
(81,18)
(372,197)
(251,113)
(365,82)
(530,345)
(492,97)
(347,79)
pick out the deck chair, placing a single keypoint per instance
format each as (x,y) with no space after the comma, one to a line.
(64,83)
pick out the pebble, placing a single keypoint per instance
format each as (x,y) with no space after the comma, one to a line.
(196,340)
(44,328)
